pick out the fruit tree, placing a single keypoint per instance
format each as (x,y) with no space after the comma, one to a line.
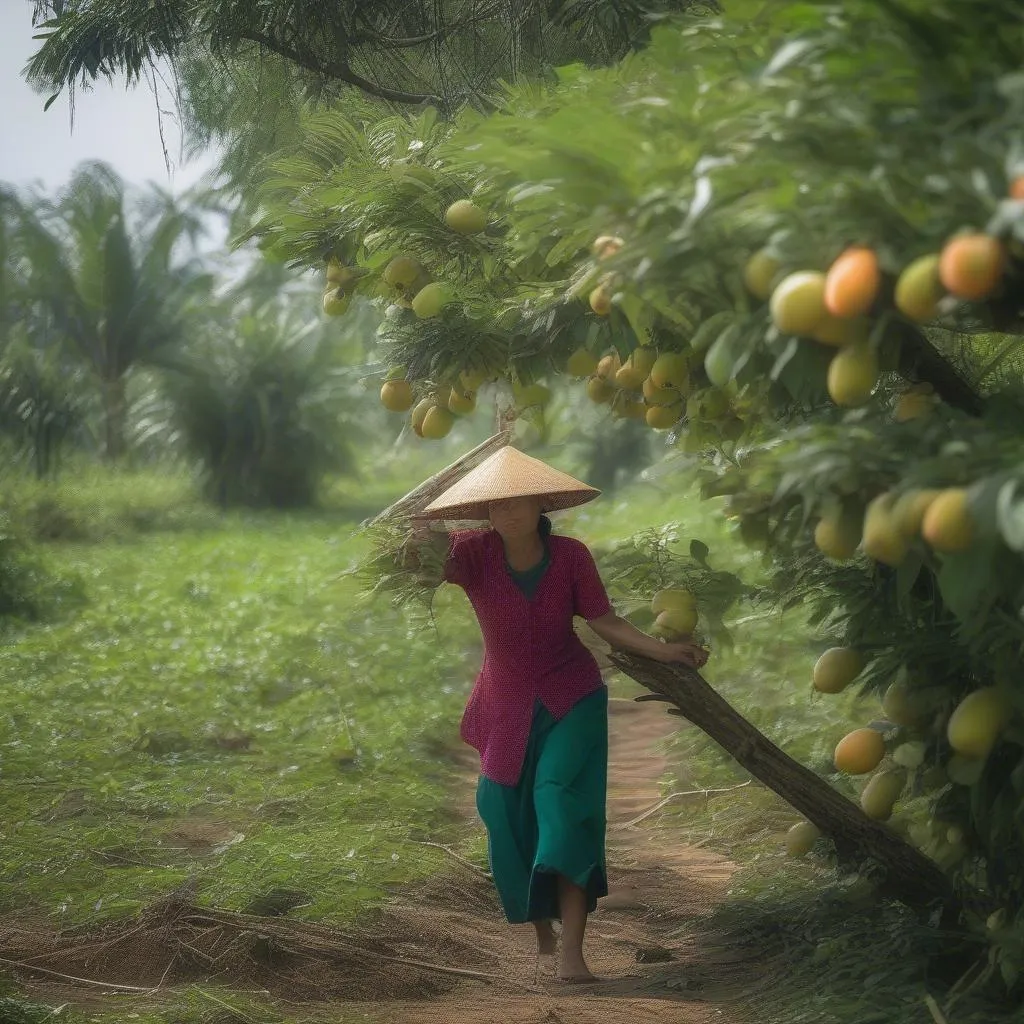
(791,239)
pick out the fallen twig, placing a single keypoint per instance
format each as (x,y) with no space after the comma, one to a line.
(673,796)
(71,977)
(451,853)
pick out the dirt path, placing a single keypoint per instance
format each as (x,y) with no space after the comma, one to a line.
(444,952)
(656,887)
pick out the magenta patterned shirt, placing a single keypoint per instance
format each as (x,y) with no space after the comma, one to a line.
(531,650)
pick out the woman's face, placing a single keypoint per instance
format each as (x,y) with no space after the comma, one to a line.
(515,518)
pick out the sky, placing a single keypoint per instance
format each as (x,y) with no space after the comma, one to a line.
(112,123)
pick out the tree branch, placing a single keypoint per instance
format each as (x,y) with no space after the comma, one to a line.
(920,360)
(341,72)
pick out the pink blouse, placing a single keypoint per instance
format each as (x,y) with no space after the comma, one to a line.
(531,651)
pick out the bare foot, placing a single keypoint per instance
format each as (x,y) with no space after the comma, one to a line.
(547,940)
(575,971)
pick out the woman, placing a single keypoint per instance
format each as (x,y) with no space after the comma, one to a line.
(538,714)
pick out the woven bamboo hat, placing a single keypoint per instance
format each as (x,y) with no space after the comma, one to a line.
(508,473)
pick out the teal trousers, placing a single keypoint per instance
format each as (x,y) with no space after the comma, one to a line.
(553,821)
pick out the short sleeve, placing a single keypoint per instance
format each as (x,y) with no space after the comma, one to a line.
(460,566)
(590,600)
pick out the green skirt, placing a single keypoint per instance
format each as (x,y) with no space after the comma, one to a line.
(552,822)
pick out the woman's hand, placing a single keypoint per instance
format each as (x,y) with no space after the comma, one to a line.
(686,651)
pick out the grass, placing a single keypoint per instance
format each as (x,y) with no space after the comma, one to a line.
(219,707)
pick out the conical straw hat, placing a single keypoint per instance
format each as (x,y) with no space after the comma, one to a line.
(508,473)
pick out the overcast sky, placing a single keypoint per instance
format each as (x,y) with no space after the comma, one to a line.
(111,123)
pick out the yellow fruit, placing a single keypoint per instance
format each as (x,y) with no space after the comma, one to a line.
(582,363)
(335,302)
(437,423)
(599,390)
(601,300)
(759,273)
(429,301)
(461,402)
(660,396)
(644,358)
(859,752)
(919,289)
(801,838)
(663,417)
(976,723)
(881,793)
(419,413)
(396,395)
(798,303)
(465,217)
(605,246)
(836,669)
(834,331)
(402,271)
(629,377)
(883,541)
(608,366)
(673,599)
(852,375)
(971,265)
(838,532)
(909,510)
(947,525)
(670,370)
(911,406)
(675,622)
(852,283)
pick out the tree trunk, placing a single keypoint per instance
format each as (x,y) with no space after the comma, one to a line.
(115,415)
(910,876)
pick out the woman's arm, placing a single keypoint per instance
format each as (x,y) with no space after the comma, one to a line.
(620,633)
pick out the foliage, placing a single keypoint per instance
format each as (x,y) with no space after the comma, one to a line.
(260,405)
(116,288)
(796,130)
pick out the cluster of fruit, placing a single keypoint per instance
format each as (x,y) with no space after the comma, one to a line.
(957,744)
(842,306)
(409,285)
(887,528)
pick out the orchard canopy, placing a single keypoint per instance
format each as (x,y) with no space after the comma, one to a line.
(792,238)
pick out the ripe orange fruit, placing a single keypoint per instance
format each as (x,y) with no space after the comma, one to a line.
(852,282)
(859,752)
(947,524)
(909,510)
(599,390)
(396,395)
(836,669)
(971,265)
(1017,187)
(912,405)
(663,417)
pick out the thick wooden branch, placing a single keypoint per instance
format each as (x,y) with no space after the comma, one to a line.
(337,70)
(910,876)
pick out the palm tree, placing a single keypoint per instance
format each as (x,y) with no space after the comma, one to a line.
(112,280)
